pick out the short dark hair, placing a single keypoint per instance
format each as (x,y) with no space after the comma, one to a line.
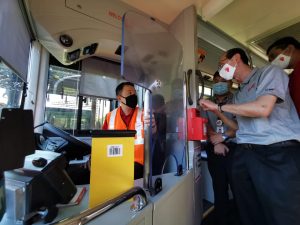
(282,43)
(231,52)
(120,87)
(216,74)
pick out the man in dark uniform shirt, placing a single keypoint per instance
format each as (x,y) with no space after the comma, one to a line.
(220,149)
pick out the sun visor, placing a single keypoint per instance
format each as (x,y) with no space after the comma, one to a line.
(98,78)
(15,38)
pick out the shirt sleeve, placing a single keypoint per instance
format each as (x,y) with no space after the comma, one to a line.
(273,81)
(203,113)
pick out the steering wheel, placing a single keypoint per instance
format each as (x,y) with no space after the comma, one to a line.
(75,147)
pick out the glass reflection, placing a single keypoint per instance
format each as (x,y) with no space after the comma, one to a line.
(11,88)
(151,54)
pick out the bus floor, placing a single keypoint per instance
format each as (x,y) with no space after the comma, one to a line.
(209,216)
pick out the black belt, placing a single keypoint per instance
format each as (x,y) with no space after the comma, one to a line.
(288,143)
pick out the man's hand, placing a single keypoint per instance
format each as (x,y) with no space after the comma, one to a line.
(221,149)
(152,123)
(216,138)
(208,105)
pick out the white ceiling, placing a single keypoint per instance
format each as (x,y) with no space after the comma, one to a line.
(164,10)
(253,23)
(246,21)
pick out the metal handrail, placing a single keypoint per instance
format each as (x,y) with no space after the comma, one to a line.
(90,214)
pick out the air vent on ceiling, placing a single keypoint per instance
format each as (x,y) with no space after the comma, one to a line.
(265,42)
(207,77)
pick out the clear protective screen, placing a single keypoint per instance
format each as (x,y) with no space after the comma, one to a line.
(152,58)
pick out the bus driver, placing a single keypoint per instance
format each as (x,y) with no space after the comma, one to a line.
(128,116)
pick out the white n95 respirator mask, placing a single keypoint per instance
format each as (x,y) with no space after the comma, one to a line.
(227,71)
(282,61)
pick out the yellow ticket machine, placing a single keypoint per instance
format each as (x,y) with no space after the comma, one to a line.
(112,165)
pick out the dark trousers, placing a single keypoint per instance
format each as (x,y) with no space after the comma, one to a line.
(138,170)
(220,170)
(266,182)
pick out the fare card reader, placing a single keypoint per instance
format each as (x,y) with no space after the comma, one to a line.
(32,192)
(196,126)
(197,130)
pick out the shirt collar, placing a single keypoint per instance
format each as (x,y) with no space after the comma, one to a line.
(124,115)
(247,80)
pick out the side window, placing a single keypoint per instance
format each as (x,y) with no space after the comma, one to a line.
(62,100)
(207,91)
(95,109)
(11,88)
(93,113)
(62,106)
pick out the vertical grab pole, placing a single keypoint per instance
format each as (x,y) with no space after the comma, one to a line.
(189,100)
(147,143)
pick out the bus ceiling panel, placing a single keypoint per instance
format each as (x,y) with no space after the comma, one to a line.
(214,39)
(69,29)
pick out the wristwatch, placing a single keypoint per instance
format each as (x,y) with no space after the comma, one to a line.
(220,107)
(225,137)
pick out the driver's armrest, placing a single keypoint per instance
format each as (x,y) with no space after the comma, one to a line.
(79,170)
(80,162)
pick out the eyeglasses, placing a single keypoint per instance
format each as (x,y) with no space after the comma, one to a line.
(223,62)
(220,67)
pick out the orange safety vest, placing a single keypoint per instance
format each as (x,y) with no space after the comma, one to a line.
(115,122)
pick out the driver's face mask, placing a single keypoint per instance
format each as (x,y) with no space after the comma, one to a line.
(130,101)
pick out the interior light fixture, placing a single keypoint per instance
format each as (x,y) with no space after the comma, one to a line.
(66,40)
